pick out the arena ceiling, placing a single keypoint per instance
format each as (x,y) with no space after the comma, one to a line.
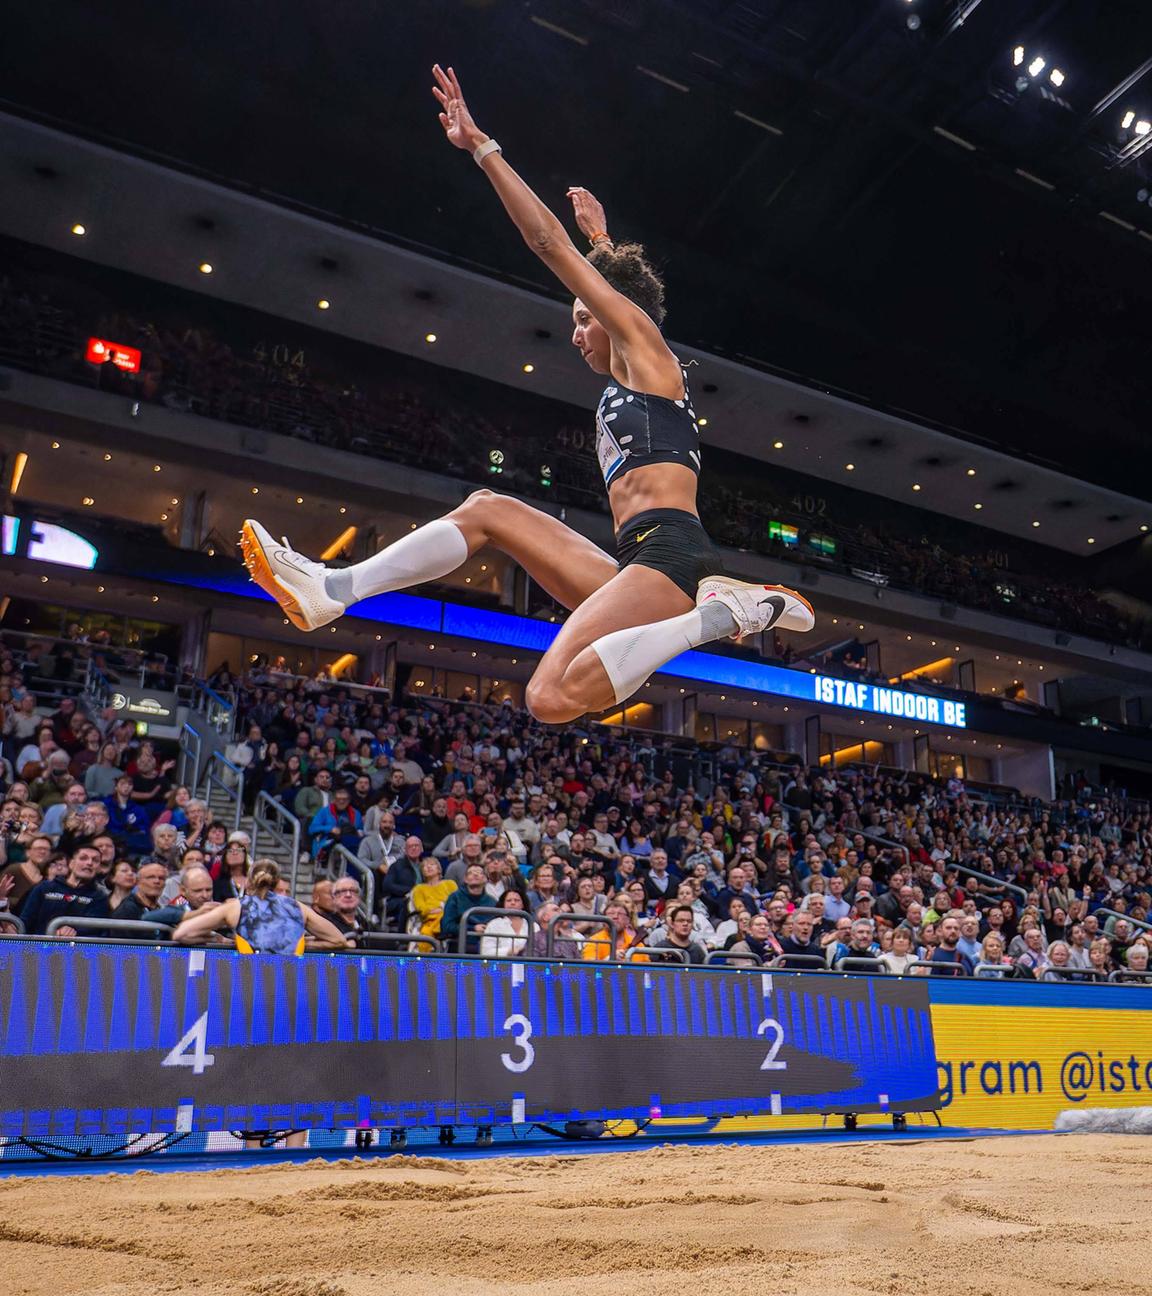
(867,194)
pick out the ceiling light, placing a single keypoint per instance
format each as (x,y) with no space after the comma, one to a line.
(1056,77)
(915,486)
(850,467)
(99,589)
(163,517)
(155,598)
(205,267)
(702,422)
(777,445)
(1129,118)
(155,467)
(87,500)
(1142,127)
(908,637)
(1035,524)
(429,337)
(343,509)
(971,472)
(299,499)
(1018,56)
(255,490)
(1091,539)
(977,506)
(107,458)
(529,368)
(173,501)
(55,445)
(79,230)
(1144,526)
(1036,66)
(323,304)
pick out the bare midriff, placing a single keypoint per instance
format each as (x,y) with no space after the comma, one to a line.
(655,486)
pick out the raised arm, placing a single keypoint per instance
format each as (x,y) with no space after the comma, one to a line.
(626,324)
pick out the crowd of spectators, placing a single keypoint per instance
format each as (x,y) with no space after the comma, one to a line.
(192,369)
(454,806)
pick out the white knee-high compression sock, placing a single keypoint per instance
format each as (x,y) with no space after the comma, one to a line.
(630,656)
(429,552)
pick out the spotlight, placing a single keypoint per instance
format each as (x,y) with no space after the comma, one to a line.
(702,422)
(1056,77)
(977,506)
(1144,526)
(79,230)
(87,501)
(1036,66)
(1142,127)
(205,267)
(323,304)
(971,472)
(1035,524)
(1091,539)
(916,486)
(1129,118)
(777,445)
(429,338)
(529,368)
(1018,56)
(850,467)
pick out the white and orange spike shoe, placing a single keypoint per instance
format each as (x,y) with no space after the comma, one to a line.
(295,582)
(757,608)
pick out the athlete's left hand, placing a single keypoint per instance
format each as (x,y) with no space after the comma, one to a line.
(455,117)
(589,212)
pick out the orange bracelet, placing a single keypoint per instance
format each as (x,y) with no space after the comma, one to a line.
(602,234)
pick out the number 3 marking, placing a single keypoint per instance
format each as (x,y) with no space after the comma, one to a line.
(196,1039)
(770,1063)
(521,1029)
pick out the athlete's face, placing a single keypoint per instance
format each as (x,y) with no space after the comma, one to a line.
(590,338)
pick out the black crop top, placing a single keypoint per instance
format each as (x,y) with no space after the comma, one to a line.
(635,428)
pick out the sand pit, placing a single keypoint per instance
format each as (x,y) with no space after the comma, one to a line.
(1036,1214)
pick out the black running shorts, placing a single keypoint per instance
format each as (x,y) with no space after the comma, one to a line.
(669,541)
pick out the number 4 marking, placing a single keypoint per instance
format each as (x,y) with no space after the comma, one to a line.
(194,1039)
(770,1063)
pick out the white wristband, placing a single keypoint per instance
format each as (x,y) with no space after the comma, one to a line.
(481,151)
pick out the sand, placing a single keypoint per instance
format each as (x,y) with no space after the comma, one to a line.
(1015,1215)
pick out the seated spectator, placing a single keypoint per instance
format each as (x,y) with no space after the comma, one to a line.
(509,934)
(101,775)
(120,882)
(947,953)
(901,954)
(471,895)
(337,823)
(145,895)
(543,887)
(76,895)
(993,956)
(395,884)
(612,944)
(51,788)
(660,882)
(1033,956)
(861,943)
(128,822)
(702,929)
(230,878)
(1100,957)
(566,943)
(802,945)
(680,935)
(69,807)
(167,847)
(1138,959)
(346,918)
(758,940)
(430,895)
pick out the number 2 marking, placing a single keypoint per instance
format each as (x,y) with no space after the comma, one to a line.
(521,1029)
(196,1039)
(770,1063)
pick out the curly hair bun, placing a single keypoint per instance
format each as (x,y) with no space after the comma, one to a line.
(626,268)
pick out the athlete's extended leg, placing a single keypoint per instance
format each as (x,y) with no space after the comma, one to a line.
(563,562)
(624,633)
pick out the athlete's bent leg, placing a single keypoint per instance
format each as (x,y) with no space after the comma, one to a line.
(608,648)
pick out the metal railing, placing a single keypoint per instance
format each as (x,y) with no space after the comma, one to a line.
(271,817)
(467,930)
(937,967)
(852,963)
(366,879)
(996,882)
(1124,976)
(716,958)
(191,750)
(553,932)
(109,927)
(799,963)
(401,941)
(10,920)
(220,712)
(657,954)
(229,778)
(1134,922)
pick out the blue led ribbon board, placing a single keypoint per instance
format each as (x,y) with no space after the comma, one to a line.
(99,1039)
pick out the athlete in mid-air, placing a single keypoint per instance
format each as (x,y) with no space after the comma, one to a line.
(661,594)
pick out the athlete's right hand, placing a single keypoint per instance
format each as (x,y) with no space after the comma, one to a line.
(455,117)
(589,212)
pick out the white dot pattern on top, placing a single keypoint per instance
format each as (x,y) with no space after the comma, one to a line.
(648,430)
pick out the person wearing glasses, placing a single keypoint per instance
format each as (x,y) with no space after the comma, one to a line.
(345,916)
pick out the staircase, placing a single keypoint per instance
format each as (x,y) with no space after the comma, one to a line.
(222,807)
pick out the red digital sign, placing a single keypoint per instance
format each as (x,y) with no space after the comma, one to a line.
(101,351)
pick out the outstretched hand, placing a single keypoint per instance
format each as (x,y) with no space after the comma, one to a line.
(589,212)
(457,121)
